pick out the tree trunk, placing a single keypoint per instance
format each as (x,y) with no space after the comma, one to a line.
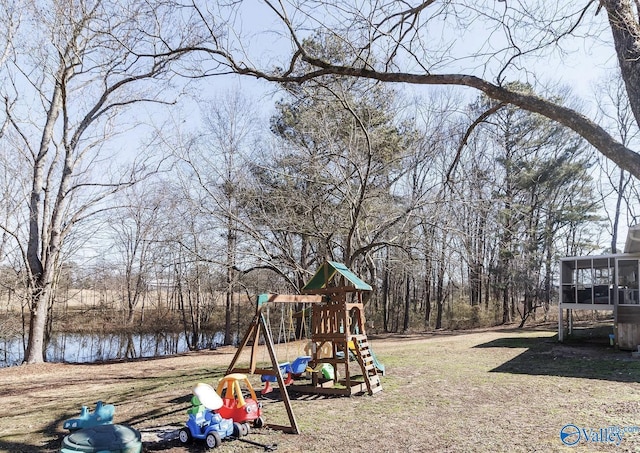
(385,296)
(427,298)
(440,291)
(506,314)
(439,310)
(230,283)
(407,303)
(427,303)
(37,324)
(623,21)
(228,306)
(616,214)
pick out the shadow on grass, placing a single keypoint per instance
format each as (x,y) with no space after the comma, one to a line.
(544,356)
(17,447)
(53,445)
(294,395)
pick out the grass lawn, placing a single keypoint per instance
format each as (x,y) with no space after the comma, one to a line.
(492,390)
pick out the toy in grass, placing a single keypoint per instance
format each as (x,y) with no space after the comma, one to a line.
(95,432)
(102,415)
(205,422)
(288,370)
(235,405)
(111,438)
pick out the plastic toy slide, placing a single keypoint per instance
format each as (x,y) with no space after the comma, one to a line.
(376,363)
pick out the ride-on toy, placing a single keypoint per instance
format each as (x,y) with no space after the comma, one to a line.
(204,420)
(235,405)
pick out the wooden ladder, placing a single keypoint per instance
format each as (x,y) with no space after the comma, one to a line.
(369,370)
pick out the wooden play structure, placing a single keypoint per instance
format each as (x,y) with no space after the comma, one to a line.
(338,332)
(337,339)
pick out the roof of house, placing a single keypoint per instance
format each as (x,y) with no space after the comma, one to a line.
(632,245)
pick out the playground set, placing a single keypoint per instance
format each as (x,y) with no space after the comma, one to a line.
(338,359)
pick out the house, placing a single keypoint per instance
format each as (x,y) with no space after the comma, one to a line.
(604,283)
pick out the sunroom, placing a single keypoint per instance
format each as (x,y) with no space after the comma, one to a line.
(604,283)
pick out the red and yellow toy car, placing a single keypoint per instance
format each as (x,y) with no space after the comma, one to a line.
(236,406)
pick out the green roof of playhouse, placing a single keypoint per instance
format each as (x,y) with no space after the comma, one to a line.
(330,269)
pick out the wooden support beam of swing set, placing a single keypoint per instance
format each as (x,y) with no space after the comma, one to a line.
(289,299)
(258,325)
(331,290)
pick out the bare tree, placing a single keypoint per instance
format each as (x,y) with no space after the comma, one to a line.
(74,69)
(332,188)
(406,49)
(137,227)
(615,109)
(216,173)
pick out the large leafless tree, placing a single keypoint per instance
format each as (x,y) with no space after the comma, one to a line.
(70,71)
(437,42)
(214,176)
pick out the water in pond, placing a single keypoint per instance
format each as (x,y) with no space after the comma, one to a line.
(83,348)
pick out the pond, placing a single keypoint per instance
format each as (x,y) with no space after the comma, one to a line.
(91,348)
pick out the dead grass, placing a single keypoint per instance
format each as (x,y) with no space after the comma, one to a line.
(491,390)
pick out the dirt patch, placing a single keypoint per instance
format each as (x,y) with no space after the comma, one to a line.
(489,390)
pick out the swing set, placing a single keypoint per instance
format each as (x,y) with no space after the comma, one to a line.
(286,333)
(337,340)
(260,328)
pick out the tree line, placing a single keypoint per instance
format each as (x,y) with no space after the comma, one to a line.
(449,201)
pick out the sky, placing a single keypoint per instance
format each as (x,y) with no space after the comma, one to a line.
(579,64)
(581,67)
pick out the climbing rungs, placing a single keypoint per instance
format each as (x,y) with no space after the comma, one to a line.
(369,370)
(375,386)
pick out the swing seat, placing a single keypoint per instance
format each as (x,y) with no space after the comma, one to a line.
(299,365)
(285,371)
(285,368)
